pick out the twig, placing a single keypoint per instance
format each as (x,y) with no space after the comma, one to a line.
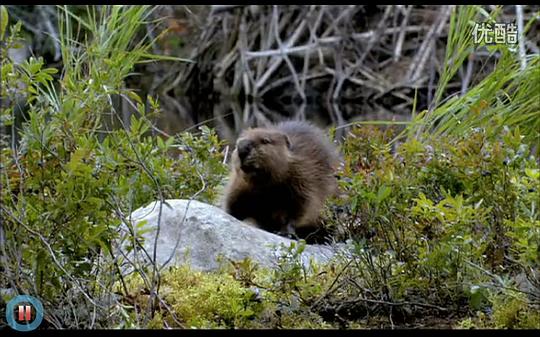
(4,256)
(264,43)
(313,38)
(203,188)
(328,40)
(283,80)
(52,254)
(275,16)
(334,22)
(216,9)
(417,66)
(521,36)
(425,305)
(52,30)
(498,279)
(193,15)
(339,75)
(399,44)
(468,74)
(277,62)
(244,68)
(375,34)
(155,275)
(330,288)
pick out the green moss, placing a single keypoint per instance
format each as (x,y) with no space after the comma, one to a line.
(508,311)
(209,300)
(240,295)
(515,312)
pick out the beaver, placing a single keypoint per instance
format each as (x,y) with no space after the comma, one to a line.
(281,176)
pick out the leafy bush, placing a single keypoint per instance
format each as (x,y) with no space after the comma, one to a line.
(440,221)
(71,181)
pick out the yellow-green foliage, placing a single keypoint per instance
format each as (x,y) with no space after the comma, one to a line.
(239,295)
(209,300)
(515,312)
(509,311)
(441,221)
(220,300)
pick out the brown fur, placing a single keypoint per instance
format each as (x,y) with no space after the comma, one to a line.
(281,176)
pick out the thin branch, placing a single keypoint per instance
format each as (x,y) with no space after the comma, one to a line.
(411,303)
(468,74)
(521,36)
(399,44)
(285,56)
(328,40)
(217,9)
(277,62)
(417,66)
(52,254)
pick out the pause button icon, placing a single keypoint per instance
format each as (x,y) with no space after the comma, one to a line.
(21,320)
(25,313)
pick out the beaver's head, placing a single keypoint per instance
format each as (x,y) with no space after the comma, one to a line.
(262,153)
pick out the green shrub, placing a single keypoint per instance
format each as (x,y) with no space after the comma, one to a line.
(70,180)
(438,221)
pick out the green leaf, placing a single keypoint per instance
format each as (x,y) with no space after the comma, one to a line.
(35,66)
(50,70)
(76,159)
(4,18)
(301,247)
(532,173)
(383,193)
(6,69)
(135,97)
(354,204)
(161,143)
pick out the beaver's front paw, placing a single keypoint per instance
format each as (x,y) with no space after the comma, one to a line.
(288,231)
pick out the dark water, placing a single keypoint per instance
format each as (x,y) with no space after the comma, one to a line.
(230,116)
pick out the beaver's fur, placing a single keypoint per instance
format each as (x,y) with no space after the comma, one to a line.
(281,176)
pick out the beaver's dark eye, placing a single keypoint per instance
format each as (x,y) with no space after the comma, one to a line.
(266,140)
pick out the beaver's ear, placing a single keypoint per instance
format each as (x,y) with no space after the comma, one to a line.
(288,142)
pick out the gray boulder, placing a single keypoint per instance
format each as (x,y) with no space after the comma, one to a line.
(198,233)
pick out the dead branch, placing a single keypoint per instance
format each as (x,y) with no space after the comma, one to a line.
(417,66)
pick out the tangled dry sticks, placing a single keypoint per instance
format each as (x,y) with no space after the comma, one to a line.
(375,57)
(369,53)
